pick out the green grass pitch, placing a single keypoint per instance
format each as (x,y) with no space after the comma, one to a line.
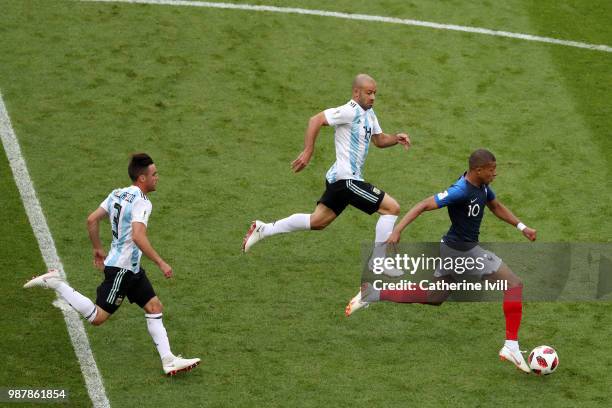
(220,99)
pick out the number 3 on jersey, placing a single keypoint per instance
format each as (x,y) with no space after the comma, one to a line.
(115,228)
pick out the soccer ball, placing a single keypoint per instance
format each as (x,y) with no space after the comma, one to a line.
(543,360)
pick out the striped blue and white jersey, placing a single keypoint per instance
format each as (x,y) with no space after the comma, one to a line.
(125,206)
(353,128)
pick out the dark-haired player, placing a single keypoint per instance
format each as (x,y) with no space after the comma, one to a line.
(465,200)
(128,210)
(355,124)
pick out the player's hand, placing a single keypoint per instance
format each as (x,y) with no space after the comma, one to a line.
(301,162)
(394,238)
(99,256)
(166,269)
(404,140)
(529,233)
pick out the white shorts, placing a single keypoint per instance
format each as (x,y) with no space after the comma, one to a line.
(473,262)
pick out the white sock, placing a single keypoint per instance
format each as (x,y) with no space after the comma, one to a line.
(295,222)
(80,303)
(384,228)
(512,344)
(159,335)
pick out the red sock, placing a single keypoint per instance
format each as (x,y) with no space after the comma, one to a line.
(513,311)
(417,295)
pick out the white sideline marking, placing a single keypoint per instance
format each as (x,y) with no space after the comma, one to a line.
(90,371)
(366,17)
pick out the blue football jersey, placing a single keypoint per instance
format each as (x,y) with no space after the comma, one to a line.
(466,204)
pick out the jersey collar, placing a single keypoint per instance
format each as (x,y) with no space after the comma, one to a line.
(142,194)
(468,182)
(361,110)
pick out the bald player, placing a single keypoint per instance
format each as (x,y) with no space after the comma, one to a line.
(355,125)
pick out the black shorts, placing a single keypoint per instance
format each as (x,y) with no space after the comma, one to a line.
(119,283)
(359,194)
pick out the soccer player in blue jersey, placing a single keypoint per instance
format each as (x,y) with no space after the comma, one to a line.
(355,125)
(128,210)
(465,201)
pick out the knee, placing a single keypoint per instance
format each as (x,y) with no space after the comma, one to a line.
(157,310)
(154,307)
(392,208)
(98,321)
(515,283)
(318,224)
(395,209)
(436,298)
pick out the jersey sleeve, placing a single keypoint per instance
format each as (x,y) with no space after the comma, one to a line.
(376,130)
(141,211)
(106,204)
(453,195)
(339,116)
(490,194)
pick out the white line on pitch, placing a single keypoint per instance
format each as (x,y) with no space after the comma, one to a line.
(37,219)
(366,17)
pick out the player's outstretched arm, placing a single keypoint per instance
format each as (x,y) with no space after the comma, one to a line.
(139,235)
(93,228)
(503,213)
(383,140)
(427,204)
(312,131)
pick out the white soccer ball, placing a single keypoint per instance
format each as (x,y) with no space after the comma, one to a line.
(543,360)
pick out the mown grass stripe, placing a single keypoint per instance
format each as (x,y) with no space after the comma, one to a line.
(368,17)
(80,342)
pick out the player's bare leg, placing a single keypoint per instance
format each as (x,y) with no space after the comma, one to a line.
(321,217)
(171,364)
(101,316)
(318,220)
(389,210)
(513,311)
(389,206)
(437,297)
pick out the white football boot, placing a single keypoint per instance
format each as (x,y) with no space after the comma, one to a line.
(393,272)
(49,280)
(390,272)
(253,235)
(175,364)
(360,300)
(515,357)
